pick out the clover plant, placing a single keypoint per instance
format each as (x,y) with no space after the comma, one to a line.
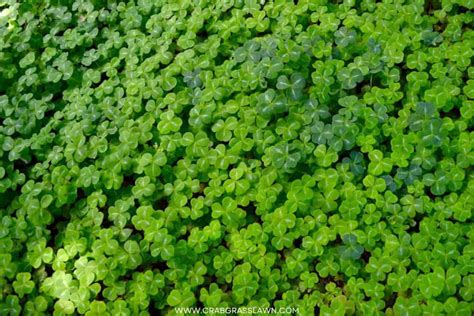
(313,154)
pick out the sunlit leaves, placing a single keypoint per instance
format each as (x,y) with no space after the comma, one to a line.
(39,253)
(169,123)
(325,156)
(59,285)
(180,298)
(432,284)
(378,164)
(143,187)
(85,271)
(223,129)
(309,154)
(27,60)
(245,284)
(229,213)
(162,245)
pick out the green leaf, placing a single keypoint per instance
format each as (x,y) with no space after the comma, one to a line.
(23,284)
(27,60)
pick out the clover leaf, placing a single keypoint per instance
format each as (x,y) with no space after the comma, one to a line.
(294,85)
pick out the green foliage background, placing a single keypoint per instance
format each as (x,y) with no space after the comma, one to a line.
(314,154)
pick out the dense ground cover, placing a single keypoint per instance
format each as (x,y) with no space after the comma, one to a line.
(312,154)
